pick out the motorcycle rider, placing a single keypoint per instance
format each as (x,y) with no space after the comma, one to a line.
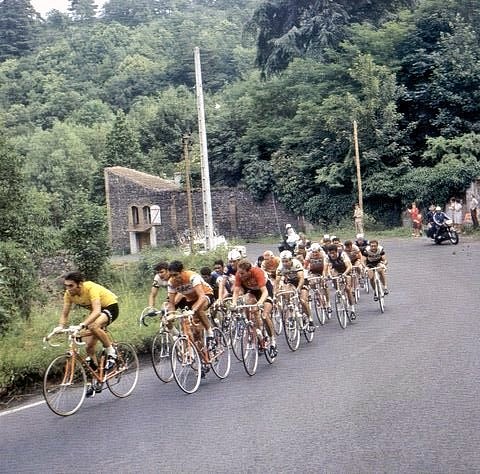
(438,220)
(290,239)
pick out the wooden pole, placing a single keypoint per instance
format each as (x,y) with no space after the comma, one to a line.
(186,156)
(357,164)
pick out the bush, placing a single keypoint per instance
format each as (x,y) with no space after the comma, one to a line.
(18,279)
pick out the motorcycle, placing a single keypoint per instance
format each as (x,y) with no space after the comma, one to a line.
(445,232)
(284,245)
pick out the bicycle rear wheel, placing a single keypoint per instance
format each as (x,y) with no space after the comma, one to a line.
(64,385)
(125,376)
(341,310)
(186,365)
(277,320)
(161,350)
(250,349)
(292,331)
(220,360)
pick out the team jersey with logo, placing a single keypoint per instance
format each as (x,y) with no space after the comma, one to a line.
(186,287)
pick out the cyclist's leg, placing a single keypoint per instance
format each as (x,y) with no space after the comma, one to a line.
(267,317)
(99,333)
(383,279)
(371,277)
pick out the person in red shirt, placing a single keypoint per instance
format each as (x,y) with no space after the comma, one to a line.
(416,217)
(258,289)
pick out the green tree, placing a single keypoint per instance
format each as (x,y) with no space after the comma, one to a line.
(17,28)
(286,29)
(122,148)
(18,280)
(83,10)
(12,191)
(85,236)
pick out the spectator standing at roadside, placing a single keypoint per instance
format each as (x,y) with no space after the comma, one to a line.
(473,211)
(456,213)
(358,219)
(416,217)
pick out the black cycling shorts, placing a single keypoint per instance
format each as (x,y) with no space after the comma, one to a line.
(111,312)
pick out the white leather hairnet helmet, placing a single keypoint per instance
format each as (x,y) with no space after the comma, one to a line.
(286,255)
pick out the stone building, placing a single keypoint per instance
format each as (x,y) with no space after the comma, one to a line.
(148,211)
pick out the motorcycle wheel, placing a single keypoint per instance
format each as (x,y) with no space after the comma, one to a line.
(453,236)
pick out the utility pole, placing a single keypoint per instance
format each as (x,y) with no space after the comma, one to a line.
(206,196)
(357,163)
(186,157)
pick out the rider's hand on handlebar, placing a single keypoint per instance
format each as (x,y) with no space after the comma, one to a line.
(59,328)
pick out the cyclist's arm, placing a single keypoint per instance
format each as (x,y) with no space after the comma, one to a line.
(171,301)
(301,280)
(264,296)
(236,294)
(65,312)
(200,297)
(152,296)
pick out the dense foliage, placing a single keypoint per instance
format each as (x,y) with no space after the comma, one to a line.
(283,82)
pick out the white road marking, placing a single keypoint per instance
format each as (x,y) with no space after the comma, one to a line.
(24,407)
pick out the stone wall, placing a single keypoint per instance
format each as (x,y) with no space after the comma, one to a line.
(235,213)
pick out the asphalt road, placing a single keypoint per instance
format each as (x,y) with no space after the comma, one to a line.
(397,392)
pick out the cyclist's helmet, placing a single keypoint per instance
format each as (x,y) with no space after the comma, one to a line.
(234,255)
(438,208)
(286,255)
(315,247)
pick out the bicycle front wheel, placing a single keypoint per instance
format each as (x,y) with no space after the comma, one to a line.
(124,378)
(380,295)
(64,385)
(250,350)
(186,365)
(220,360)
(161,351)
(341,310)
(236,335)
(292,331)
(318,308)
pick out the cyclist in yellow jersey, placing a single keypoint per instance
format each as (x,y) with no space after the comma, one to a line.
(103,306)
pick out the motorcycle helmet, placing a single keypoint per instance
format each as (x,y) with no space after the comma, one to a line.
(234,255)
(286,255)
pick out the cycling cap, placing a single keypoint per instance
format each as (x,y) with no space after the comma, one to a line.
(234,255)
(438,208)
(287,226)
(286,255)
(315,247)
(359,236)
(326,237)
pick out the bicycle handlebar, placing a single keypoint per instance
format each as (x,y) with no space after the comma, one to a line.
(71,331)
